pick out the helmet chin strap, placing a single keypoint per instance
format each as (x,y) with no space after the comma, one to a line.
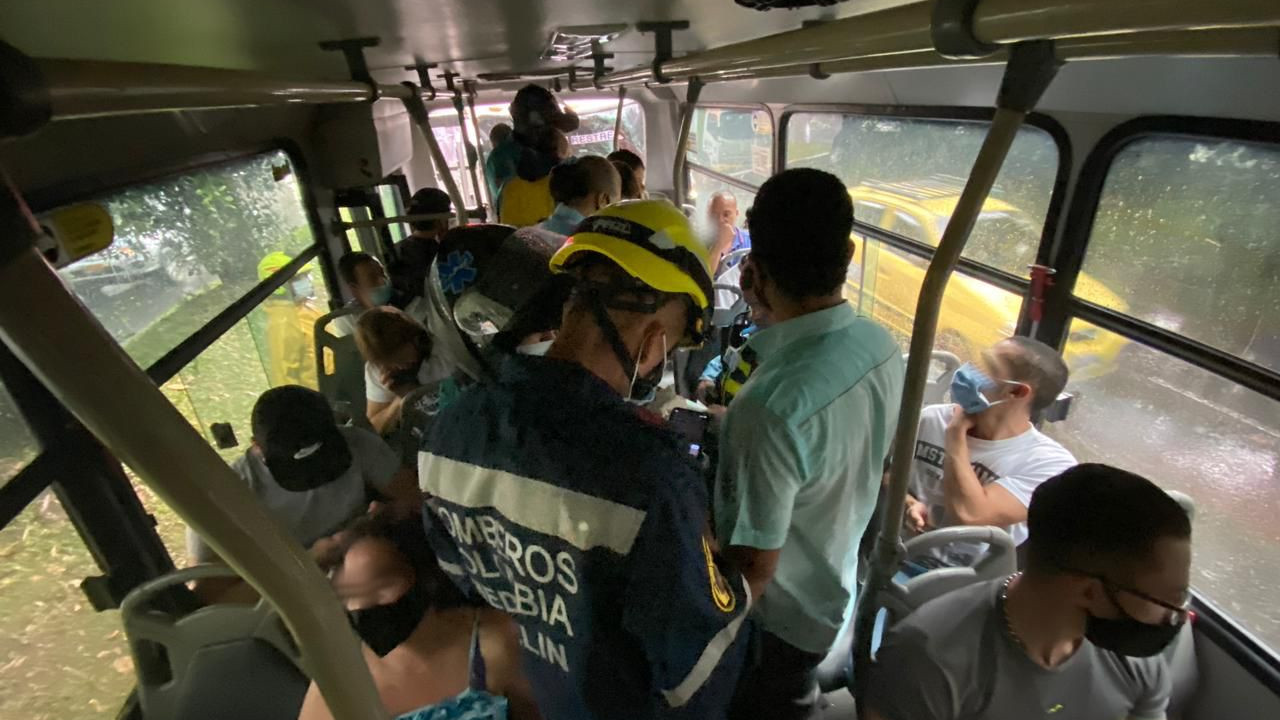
(611,334)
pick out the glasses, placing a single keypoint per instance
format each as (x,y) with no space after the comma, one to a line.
(1180,611)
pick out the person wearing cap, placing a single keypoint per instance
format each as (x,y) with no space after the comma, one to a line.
(539,143)
(311,474)
(552,496)
(415,253)
(803,443)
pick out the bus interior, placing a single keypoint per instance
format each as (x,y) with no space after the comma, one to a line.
(196,170)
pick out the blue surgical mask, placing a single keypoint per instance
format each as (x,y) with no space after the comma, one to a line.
(967,387)
(380,295)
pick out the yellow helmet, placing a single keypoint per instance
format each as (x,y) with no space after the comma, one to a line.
(655,243)
(273,263)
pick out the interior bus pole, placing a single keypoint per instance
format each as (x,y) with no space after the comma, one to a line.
(418,111)
(1031,67)
(617,118)
(492,215)
(469,147)
(682,140)
(75,357)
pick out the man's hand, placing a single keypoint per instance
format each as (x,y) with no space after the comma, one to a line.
(916,516)
(959,426)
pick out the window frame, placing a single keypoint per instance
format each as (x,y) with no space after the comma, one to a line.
(1062,306)
(691,167)
(89,481)
(995,276)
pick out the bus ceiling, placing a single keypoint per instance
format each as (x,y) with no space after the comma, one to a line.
(37,90)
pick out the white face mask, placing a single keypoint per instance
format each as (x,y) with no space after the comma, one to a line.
(537,349)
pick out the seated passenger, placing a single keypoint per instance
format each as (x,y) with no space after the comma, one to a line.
(367,282)
(723,213)
(722,378)
(540,143)
(1077,635)
(311,474)
(425,644)
(633,161)
(416,252)
(978,461)
(630,188)
(398,359)
(592,523)
(580,186)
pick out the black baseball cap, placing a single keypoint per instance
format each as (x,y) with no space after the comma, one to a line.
(299,438)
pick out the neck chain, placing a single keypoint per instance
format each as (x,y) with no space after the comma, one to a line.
(1004,612)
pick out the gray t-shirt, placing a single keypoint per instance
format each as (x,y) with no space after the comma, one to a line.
(317,513)
(954,660)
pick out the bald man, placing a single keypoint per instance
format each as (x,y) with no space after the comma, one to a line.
(723,213)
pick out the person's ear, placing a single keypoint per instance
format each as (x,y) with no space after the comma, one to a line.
(651,347)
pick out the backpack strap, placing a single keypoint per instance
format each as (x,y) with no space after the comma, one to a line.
(476,676)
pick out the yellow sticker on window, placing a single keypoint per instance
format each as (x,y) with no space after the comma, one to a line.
(79,231)
(721,593)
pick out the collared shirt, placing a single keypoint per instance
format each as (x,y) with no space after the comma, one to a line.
(553,499)
(563,221)
(802,453)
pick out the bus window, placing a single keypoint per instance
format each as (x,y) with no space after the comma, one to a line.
(1185,236)
(17,445)
(884,284)
(733,142)
(594,135)
(918,168)
(47,627)
(1202,435)
(392,206)
(188,246)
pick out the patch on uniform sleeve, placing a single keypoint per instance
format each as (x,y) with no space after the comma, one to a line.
(721,593)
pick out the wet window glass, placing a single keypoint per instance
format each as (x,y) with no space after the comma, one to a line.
(884,283)
(17,444)
(917,169)
(1185,238)
(594,136)
(1201,435)
(188,246)
(58,657)
(733,142)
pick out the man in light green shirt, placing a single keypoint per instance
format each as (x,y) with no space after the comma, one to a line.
(804,441)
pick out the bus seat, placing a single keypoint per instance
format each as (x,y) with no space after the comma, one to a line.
(219,661)
(936,387)
(339,366)
(722,317)
(903,595)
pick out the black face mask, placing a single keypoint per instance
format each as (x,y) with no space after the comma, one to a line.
(384,627)
(1129,637)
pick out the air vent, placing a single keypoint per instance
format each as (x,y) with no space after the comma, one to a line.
(574,42)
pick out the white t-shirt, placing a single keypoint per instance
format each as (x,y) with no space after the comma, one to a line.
(434,369)
(319,512)
(1017,464)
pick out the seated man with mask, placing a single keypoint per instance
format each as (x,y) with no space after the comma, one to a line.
(552,497)
(366,280)
(978,461)
(1077,636)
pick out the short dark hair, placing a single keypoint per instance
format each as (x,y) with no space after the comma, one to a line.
(628,158)
(349,263)
(429,201)
(577,178)
(800,224)
(499,133)
(630,183)
(1096,518)
(1039,366)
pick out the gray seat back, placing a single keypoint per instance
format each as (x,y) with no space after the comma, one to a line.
(904,595)
(221,661)
(339,366)
(942,368)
